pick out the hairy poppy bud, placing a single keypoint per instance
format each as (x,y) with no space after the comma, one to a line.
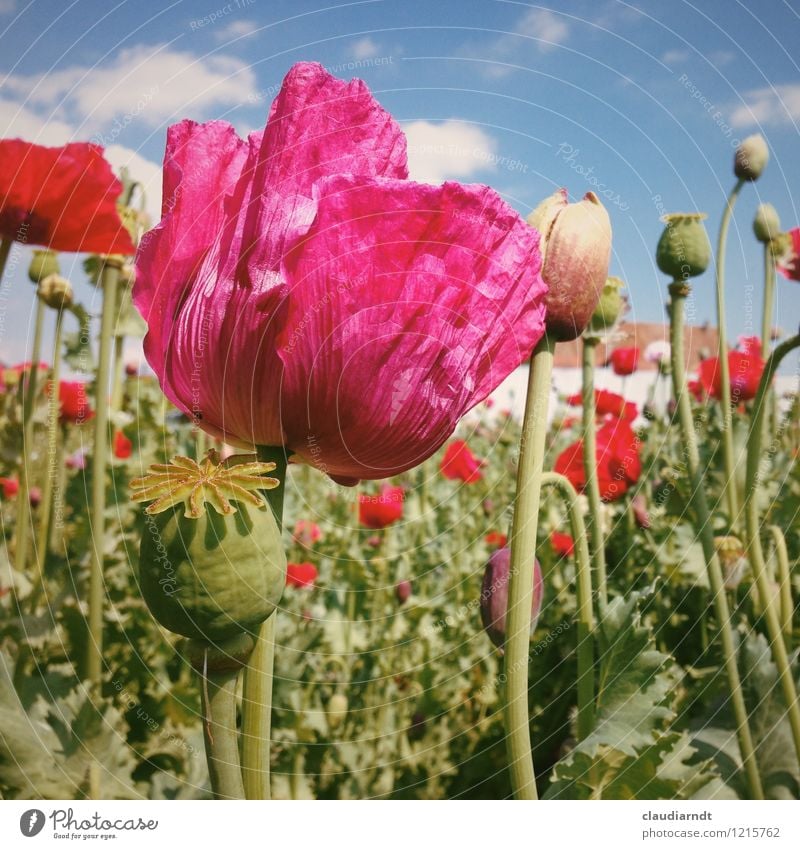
(208,570)
(766,224)
(609,307)
(733,560)
(751,158)
(43,264)
(683,250)
(55,291)
(576,246)
(494,595)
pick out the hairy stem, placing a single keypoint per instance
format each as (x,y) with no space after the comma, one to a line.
(523,552)
(753,537)
(583,572)
(705,531)
(257,689)
(785,581)
(220,734)
(729,493)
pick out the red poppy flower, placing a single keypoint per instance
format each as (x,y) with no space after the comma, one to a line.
(123,447)
(301,574)
(696,388)
(789,266)
(345,311)
(380,511)
(496,539)
(618,463)
(64,198)
(459,463)
(75,407)
(745,367)
(563,544)
(10,487)
(624,361)
(608,404)
(35,496)
(307,532)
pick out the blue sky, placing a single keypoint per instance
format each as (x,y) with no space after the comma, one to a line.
(641,101)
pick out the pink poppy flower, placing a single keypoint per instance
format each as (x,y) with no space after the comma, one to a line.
(307,532)
(300,291)
(789,265)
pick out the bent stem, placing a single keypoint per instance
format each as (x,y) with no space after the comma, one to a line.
(29,389)
(257,687)
(593,521)
(771,415)
(753,539)
(785,581)
(220,734)
(729,492)
(523,551)
(53,460)
(705,531)
(583,582)
(110,278)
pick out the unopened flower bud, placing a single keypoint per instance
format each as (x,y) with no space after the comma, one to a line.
(494,595)
(683,250)
(43,264)
(55,291)
(609,307)
(337,710)
(751,158)
(576,249)
(766,224)
(402,591)
(732,559)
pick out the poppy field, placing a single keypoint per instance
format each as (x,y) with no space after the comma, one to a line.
(306,553)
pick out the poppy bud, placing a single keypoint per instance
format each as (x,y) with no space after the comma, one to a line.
(55,291)
(35,496)
(751,158)
(337,710)
(683,250)
(766,224)
(402,592)
(494,595)
(131,369)
(732,559)
(43,264)
(576,249)
(609,307)
(208,570)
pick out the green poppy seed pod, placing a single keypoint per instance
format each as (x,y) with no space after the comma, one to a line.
(55,291)
(43,264)
(609,307)
(336,711)
(683,250)
(751,158)
(208,570)
(576,249)
(766,224)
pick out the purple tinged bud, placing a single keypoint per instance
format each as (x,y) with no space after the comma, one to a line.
(403,591)
(494,595)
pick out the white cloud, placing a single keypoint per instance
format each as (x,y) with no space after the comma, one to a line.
(769,106)
(538,28)
(674,57)
(447,151)
(365,48)
(236,29)
(148,84)
(145,172)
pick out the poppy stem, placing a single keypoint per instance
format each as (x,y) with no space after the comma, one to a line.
(109,280)
(785,580)
(218,697)
(729,492)
(592,490)
(704,528)
(771,414)
(583,582)
(53,461)
(29,389)
(118,374)
(753,537)
(523,550)
(257,686)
